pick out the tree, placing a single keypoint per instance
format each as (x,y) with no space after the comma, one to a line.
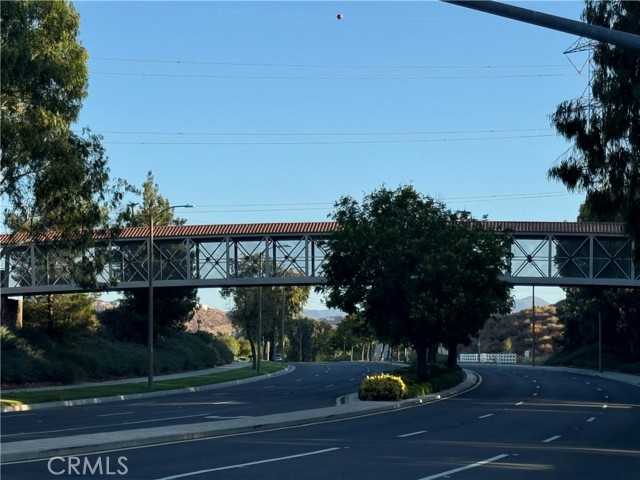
(173,307)
(245,313)
(605,129)
(405,263)
(62,313)
(51,177)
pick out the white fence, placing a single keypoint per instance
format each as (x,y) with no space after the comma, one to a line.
(488,358)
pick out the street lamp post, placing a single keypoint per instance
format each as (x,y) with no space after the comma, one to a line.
(150,273)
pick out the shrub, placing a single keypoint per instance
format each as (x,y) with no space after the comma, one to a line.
(382,387)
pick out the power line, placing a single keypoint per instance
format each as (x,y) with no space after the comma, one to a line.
(319,65)
(336,142)
(317,134)
(282,207)
(289,77)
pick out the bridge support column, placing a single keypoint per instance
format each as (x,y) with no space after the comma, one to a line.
(11,311)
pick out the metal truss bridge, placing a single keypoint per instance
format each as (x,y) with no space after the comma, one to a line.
(543,253)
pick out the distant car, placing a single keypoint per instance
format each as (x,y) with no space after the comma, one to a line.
(277,357)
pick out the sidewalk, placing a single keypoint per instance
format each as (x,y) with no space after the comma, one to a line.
(122,381)
(136,396)
(617,376)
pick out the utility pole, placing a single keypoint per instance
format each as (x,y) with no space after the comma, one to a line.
(533,323)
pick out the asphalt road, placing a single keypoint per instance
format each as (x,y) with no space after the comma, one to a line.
(310,385)
(519,423)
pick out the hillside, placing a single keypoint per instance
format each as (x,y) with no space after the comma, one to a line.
(517,328)
(211,320)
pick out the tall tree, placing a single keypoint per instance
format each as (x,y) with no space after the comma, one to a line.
(605,127)
(173,307)
(245,313)
(51,178)
(404,262)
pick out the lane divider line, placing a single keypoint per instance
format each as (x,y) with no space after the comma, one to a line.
(419,432)
(551,439)
(467,467)
(250,464)
(486,416)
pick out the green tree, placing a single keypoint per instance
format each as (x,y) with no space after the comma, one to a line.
(51,178)
(61,314)
(404,262)
(605,128)
(245,313)
(353,332)
(173,307)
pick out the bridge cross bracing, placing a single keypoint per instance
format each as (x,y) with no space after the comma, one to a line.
(203,256)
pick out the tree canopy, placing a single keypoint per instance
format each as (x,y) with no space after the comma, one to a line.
(416,272)
(173,307)
(604,127)
(51,177)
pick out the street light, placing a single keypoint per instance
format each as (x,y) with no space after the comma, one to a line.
(150,273)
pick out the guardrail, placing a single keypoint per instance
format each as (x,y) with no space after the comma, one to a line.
(488,358)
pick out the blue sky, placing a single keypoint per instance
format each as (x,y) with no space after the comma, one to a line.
(270,111)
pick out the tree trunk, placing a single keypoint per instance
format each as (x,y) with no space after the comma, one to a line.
(421,353)
(452,356)
(254,355)
(49,313)
(432,353)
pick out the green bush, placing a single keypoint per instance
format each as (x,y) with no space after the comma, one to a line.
(435,379)
(29,357)
(382,387)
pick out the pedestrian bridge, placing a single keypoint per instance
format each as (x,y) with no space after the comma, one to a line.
(202,256)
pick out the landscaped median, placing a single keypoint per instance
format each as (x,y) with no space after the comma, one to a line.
(25,399)
(406,383)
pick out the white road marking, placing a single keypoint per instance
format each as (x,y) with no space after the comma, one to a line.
(114,414)
(551,439)
(588,383)
(486,416)
(249,464)
(599,389)
(591,419)
(467,467)
(605,406)
(420,432)
(220,417)
(520,403)
(535,394)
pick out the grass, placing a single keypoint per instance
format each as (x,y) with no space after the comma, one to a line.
(27,397)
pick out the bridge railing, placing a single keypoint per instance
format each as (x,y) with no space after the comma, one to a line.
(560,254)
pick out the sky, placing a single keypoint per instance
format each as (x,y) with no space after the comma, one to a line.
(271,111)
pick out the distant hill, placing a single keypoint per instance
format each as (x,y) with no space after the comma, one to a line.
(211,320)
(517,327)
(102,305)
(522,303)
(329,313)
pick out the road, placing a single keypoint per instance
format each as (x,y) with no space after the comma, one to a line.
(310,385)
(519,423)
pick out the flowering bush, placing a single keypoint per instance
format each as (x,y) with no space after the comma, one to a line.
(382,387)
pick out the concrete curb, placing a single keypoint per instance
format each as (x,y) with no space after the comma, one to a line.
(136,396)
(92,443)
